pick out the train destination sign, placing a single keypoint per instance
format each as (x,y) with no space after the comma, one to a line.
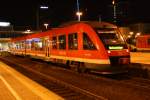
(115,47)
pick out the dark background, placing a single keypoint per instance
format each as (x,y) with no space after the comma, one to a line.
(23,12)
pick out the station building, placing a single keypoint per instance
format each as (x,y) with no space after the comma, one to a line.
(7,32)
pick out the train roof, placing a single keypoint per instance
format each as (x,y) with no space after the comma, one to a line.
(94,24)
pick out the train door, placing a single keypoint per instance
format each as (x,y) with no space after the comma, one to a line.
(47,47)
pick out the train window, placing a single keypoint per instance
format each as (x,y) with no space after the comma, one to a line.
(62,42)
(87,43)
(20,45)
(28,44)
(17,45)
(32,45)
(36,44)
(54,42)
(111,38)
(73,41)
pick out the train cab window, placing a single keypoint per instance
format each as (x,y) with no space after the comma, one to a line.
(73,41)
(111,38)
(87,43)
(62,42)
(54,42)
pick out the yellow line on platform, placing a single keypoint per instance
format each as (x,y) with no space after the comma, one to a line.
(10,88)
(39,90)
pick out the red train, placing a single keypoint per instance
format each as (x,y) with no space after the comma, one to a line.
(143,43)
(83,45)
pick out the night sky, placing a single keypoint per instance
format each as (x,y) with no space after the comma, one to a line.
(23,12)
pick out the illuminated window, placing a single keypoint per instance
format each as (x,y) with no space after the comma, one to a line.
(54,42)
(20,45)
(73,41)
(87,43)
(32,45)
(28,44)
(62,42)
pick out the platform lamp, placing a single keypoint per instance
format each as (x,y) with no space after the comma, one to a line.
(78,13)
(46,25)
(42,7)
(114,11)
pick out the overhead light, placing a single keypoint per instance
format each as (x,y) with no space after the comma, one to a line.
(129,36)
(27,31)
(46,25)
(79,13)
(138,34)
(131,33)
(44,7)
(4,24)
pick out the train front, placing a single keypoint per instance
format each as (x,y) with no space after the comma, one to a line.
(116,48)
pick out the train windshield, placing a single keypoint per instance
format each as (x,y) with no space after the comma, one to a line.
(111,39)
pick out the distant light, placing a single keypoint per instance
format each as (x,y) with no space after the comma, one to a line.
(46,25)
(113,2)
(79,13)
(129,36)
(44,7)
(131,33)
(4,24)
(138,34)
(27,31)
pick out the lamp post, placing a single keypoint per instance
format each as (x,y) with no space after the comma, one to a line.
(78,13)
(4,24)
(46,25)
(38,15)
(114,11)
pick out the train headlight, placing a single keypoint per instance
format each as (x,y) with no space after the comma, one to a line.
(127,50)
(109,51)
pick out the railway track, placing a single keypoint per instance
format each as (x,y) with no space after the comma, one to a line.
(102,88)
(67,91)
(138,82)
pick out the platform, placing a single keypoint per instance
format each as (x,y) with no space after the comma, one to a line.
(140,57)
(15,86)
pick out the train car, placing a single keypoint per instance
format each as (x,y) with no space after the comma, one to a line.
(96,46)
(143,43)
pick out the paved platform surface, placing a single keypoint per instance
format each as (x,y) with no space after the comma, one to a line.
(15,86)
(140,57)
